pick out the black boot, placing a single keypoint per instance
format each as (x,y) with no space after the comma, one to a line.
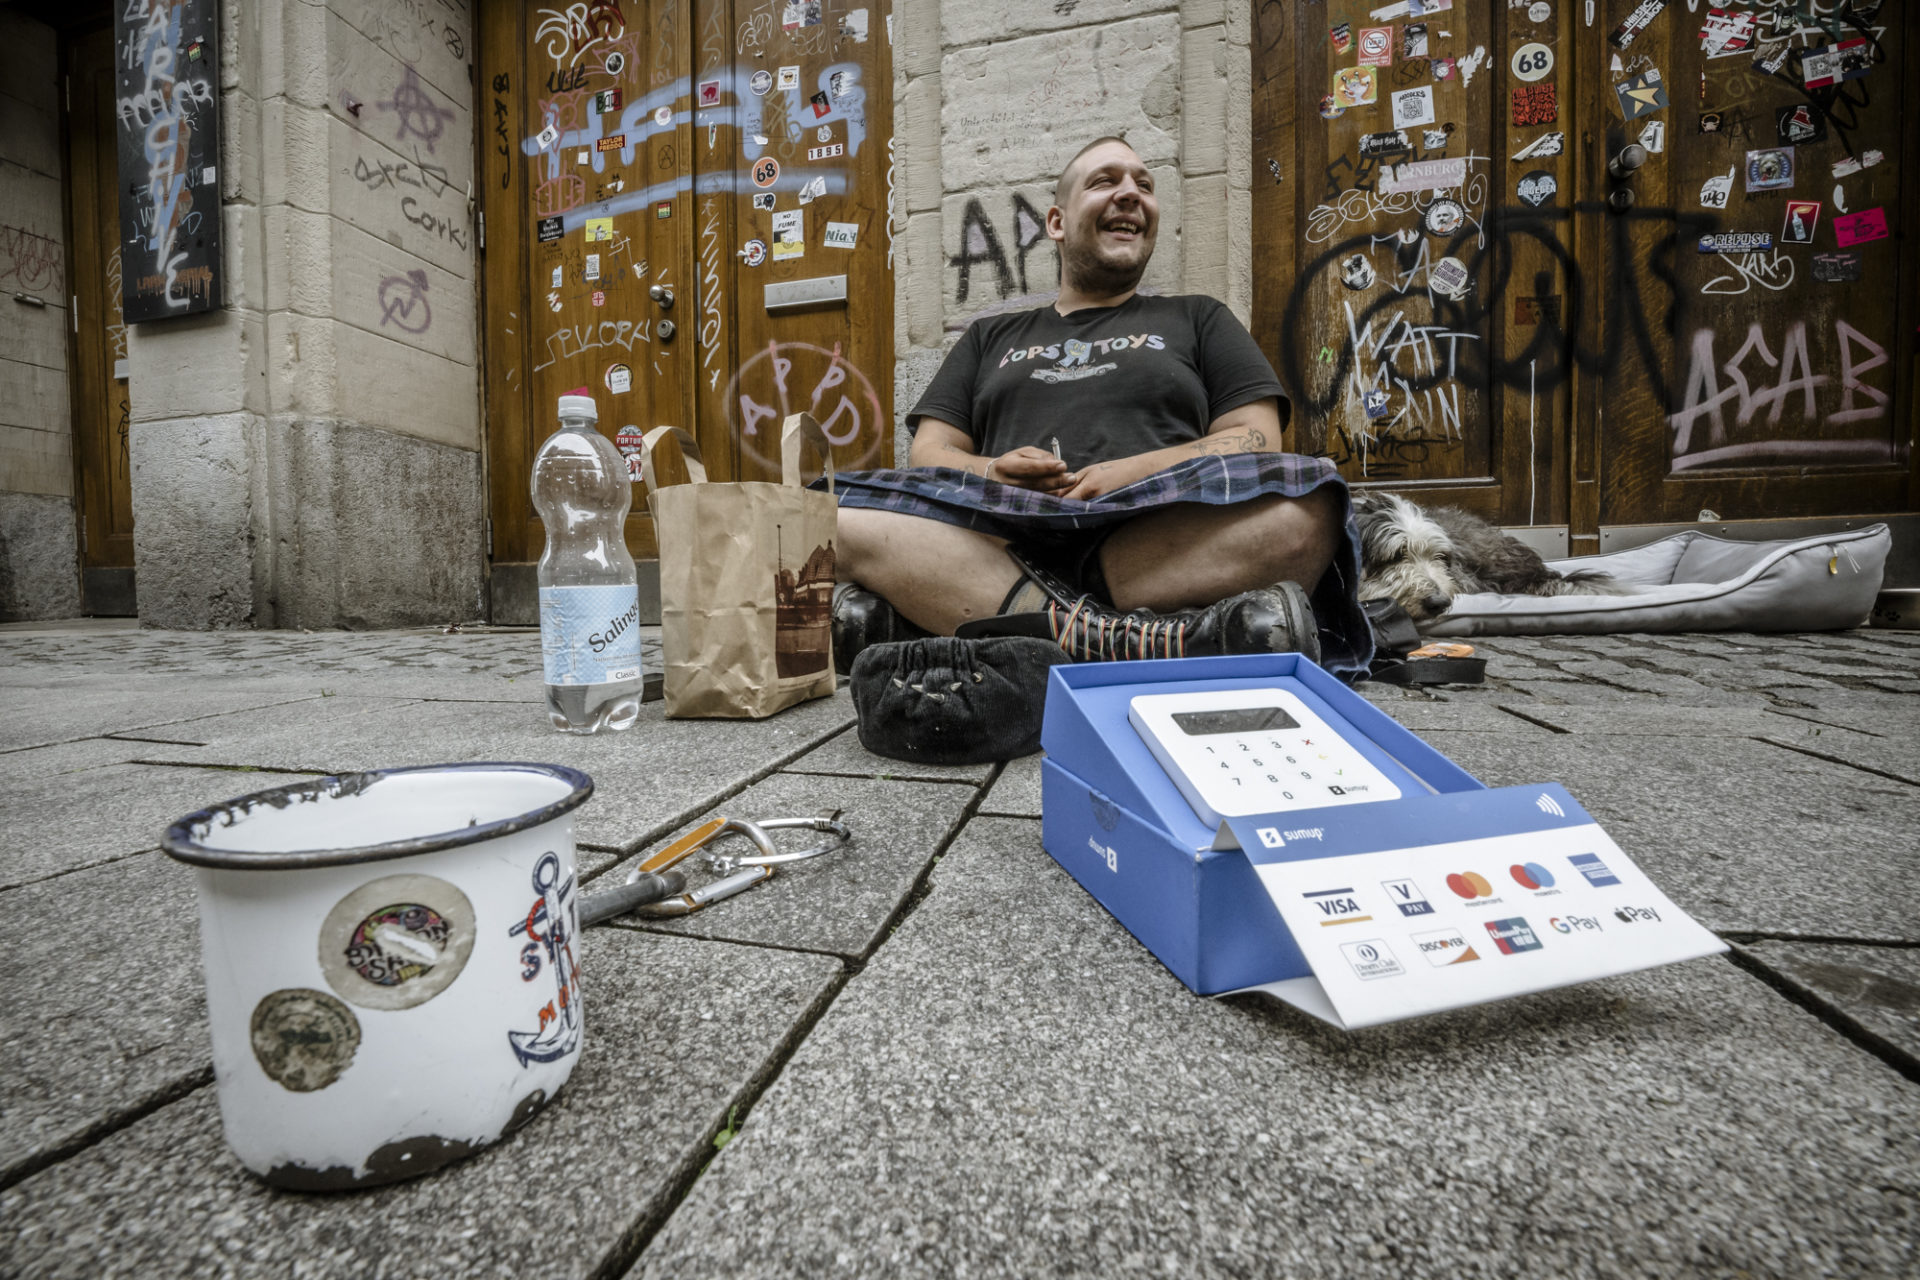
(1276,619)
(861,619)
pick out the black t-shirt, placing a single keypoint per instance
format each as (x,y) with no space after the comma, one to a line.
(1108,382)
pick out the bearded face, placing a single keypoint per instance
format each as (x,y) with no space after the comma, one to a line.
(1107,225)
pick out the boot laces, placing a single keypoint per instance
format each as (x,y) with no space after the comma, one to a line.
(1090,633)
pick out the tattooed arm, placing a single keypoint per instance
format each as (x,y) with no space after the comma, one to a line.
(1252,428)
(941,444)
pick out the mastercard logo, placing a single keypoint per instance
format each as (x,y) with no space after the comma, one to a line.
(1470,885)
(1531,875)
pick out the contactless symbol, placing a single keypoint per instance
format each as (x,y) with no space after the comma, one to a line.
(396,942)
(1470,885)
(1531,875)
(766,171)
(303,1039)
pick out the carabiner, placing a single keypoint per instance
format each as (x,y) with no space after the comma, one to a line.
(720,890)
(702,835)
(768,858)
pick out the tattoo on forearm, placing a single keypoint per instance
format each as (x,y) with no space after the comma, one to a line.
(1251,440)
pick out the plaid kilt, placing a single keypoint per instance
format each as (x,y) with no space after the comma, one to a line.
(1029,518)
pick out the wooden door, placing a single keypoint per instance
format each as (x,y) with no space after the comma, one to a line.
(1774,381)
(1595,366)
(102,413)
(641,149)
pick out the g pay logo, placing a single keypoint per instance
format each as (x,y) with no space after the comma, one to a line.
(1574,924)
(1406,895)
(1443,947)
(1337,906)
(1470,885)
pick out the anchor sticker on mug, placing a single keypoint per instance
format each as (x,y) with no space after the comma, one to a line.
(549,927)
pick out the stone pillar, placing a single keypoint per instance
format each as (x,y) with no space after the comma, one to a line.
(309,454)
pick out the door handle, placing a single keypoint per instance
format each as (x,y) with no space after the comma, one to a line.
(663,295)
(1629,159)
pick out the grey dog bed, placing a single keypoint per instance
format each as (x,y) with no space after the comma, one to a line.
(1696,582)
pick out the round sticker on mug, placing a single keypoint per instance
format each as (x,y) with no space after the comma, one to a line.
(396,942)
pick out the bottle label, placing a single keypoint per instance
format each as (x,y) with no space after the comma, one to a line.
(590,635)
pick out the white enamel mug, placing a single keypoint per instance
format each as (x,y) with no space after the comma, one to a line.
(391,964)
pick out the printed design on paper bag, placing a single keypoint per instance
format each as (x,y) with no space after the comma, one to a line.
(1512,935)
(1575,924)
(1643,95)
(396,942)
(549,926)
(303,1039)
(1337,906)
(1406,895)
(1535,104)
(1636,915)
(1770,170)
(1470,885)
(1597,873)
(803,609)
(1802,217)
(590,635)
(1531,875)
(1371,960)
(1443,947)
(1355,87)
(1858,228)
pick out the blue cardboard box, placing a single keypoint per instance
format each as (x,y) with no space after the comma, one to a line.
(1114,819)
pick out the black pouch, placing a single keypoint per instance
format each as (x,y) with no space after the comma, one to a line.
(943,700)
(1396,639)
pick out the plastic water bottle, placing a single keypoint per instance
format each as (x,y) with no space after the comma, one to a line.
(589,597)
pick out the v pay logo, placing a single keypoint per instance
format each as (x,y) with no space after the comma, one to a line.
(1406,895)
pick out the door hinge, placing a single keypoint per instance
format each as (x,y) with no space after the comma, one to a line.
(481,217)
(73,309)
(489,537)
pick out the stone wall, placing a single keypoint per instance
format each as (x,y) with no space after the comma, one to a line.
(992,97)
(39,561)
(310,454)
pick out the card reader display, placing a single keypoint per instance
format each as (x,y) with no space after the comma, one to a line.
(1235,752)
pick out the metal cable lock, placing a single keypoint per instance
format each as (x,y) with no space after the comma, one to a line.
(768,857)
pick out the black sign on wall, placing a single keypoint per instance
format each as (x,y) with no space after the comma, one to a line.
(168,107)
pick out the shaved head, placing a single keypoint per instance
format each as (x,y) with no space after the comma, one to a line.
(1064,187)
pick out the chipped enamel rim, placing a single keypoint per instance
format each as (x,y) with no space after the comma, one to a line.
(182,839)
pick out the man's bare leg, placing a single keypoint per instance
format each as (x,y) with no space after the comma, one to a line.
(936,575)
(1191,555)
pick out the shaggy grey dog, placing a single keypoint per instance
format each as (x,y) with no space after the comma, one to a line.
(1423,557)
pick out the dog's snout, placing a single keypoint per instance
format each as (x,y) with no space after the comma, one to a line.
(1435,605)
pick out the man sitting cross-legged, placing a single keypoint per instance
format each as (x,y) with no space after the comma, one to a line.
(1110,463)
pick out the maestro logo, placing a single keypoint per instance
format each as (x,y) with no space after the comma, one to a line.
(1470,885)
(1531,875)
(1574,924)
(1512,936)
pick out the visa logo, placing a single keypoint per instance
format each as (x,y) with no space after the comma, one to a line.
(1338,905)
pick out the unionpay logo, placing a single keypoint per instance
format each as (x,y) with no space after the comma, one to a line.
(1406,895)
(1371,960)
(1337,906)
(1590,866)
(1512,936)
(1470,885)
(1444,947)
(1531,875)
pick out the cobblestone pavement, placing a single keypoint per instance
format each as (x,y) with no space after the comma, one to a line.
(935,1054)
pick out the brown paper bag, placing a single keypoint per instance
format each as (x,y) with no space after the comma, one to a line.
(746,581)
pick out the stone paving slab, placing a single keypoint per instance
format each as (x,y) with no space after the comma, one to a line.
(1029,1093)
(1017,790)
(1879,987)
(655,775)
(676,1029)
(845,755)
(182,742)
(66,757)
(1463,717)
(1664,721)
(839,902)
(71,820)
(69,708)
(107,1023)
(1747,836)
